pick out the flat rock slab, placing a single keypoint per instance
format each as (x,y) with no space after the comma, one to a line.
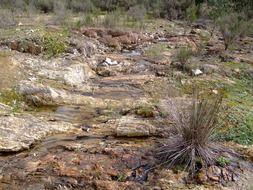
(129,126)
(18,133)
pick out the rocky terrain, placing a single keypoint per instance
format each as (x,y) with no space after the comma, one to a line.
(90,117)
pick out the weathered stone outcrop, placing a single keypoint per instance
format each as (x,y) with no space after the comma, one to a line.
(40,95)
(20,132)
(115,38)
(25,46)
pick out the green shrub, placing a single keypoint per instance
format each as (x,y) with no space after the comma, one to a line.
(191,13)
(222,161)
(249,28)
(43,5)
(183,55)
(145,110)
(54,44)
(82,6)
(231,26)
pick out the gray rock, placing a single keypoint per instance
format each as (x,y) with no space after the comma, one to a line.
(40,95)
(131,127)
(74,75)
(209,69)
(20,132)
(87,48)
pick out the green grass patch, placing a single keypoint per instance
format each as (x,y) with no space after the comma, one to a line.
(4,54)
(155,50)
(237,65)
(236,118)
(12,99)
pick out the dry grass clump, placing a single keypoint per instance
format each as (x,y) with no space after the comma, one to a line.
(191,144)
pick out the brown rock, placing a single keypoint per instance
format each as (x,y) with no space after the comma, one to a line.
(90,33)
(34,49)
(131,127)
(13,45)
(202,176)
(128,39)
(250,154)
(25,46)
(214,173)
(111,42)
(107,185)
(112,172)
(116,33)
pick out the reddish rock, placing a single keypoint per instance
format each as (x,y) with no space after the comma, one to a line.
(214,173)
(128,39)
(13,45)
(116,33)
(90,33)
(202,176)
(34,49)
(25,46)
(111,42)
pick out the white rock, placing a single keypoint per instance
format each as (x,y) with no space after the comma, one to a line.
(197,72)
(110,62)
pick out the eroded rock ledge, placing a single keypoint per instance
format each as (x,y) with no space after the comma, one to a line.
(18,133)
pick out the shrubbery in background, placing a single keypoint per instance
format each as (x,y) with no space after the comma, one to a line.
(220,11)
(232,26)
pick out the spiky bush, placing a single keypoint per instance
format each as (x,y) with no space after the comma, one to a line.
(191,144)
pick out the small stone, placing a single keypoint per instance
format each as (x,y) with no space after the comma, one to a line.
(215,91)
(197,72)
(110,62)
(209,69)
(202,176)
(214,173)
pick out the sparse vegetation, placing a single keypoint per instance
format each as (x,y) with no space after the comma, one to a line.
(155,50)
(183,55)
(231,30)
(54,43)
(192,141)
(145,110)
(222,161)
(12,99)
(235,119)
